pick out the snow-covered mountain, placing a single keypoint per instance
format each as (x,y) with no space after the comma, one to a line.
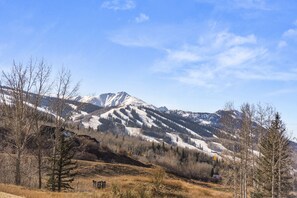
(112,100)
(123,113)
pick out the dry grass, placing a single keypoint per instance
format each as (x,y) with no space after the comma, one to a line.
(127,179)
(5,195)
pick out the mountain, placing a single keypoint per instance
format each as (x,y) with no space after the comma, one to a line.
(123,113)
(126,114)
(112,100)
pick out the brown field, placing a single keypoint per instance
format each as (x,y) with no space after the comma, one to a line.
(124,181)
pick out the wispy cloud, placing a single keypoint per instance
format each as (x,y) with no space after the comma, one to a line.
(142,18)
(230,61)
(216,58)
(119,4)
(146,36)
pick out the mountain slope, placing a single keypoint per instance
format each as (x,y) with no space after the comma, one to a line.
(171,127)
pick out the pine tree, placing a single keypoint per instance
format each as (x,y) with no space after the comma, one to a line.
(62,166)
(60,174)
(274,164)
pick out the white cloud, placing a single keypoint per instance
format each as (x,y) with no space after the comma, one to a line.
(142,18)
(290,33)
(119,4)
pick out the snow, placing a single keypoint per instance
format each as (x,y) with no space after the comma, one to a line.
(180,142)
(133,131)
(73,106)
(137,133)
(113,99)
(6,99)
(84,113)
(202,144)
(145,119)
(219,145)
(93,123)
(189,130)
(77,116)
(205,122)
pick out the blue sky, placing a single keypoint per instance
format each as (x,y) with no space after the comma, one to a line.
(191,54)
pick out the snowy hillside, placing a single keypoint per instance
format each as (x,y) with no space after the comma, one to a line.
(158,126)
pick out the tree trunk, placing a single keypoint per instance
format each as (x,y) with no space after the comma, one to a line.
(234,175)
(272,173)
(39,166)
(53,183)
(18,168)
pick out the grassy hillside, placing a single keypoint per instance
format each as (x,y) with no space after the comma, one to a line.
(125,181)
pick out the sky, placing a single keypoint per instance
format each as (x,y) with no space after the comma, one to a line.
(193,55)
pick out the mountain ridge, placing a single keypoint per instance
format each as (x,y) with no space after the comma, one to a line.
(121,98)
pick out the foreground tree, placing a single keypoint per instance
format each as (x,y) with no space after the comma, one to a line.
(40,90)
(62,174)
(61,165)
(17,88)
(231,126)
(275,163)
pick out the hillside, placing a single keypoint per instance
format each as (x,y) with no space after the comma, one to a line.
(124,179)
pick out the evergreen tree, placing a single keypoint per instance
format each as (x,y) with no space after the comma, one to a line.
(184,156)
(274,164)
(62,166)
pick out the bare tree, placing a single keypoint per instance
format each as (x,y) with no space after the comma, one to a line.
(41,89)
(15,96)
(247,148)
(231,127)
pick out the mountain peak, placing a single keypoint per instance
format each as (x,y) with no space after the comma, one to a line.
(121,98)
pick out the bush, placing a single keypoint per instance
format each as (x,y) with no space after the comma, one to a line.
(158,178)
